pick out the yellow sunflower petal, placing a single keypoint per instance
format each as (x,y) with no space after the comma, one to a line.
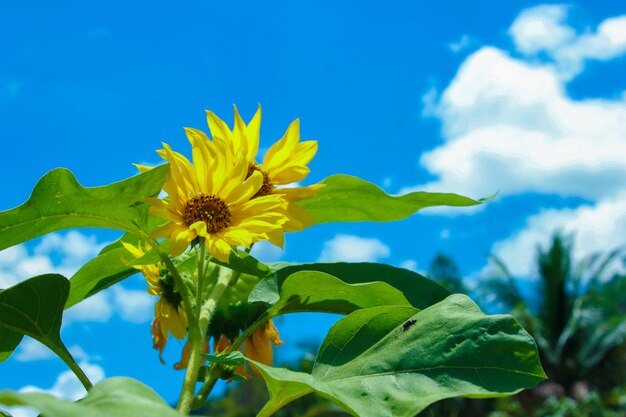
(281,150)
(219,129)
(218,248)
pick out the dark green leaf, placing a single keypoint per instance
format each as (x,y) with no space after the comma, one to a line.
(392,361)
(59,202)
(245,263)
(100,273)
(420,291)
(34,307)
(114,397)
(231,358)
(350,199)
(317,291)
(8,342)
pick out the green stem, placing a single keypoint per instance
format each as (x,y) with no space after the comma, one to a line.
(204,318)
(65,354)
(201,262)
(206,389)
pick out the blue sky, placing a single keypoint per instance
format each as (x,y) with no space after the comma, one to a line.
(469,97)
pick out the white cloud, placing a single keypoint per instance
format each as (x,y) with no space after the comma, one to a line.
(55,253)
(135,306)
(348,248)
(266,252)
(459,45)
(65,254)
(598,227)
(409,264)
(509,124)
(97,308)
(32,350)
(66,386)
(543,29)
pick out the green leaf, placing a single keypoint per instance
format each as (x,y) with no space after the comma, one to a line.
(112,265)
(321,292)
(234,358)
(99,274)
(420,291)
(59,202)
(34,308)
(390,360)
(8,343)
(245,263)
(351,199)
(114,397)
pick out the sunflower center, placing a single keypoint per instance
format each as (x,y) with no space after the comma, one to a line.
(267,186)
(209,209)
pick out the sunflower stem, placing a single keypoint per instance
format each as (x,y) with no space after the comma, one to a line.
(201,260)
(197,342)
(207,387)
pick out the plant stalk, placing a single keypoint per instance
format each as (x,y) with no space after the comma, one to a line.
(197,341)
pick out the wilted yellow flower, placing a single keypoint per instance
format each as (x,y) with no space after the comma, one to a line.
(184,359)
(212,199)
(284,164)
(258,347)
(169,313)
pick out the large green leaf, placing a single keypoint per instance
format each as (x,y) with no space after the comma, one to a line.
(113,264)
(8,342)
(34,308)
(59,202)
(420,291)
(114,397)
(350,199)
(320,292)
(392,361)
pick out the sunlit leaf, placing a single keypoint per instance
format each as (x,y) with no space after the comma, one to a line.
(59,202)
(394,361)
(420,291)
(114,397)
(321,292)
(245,263)
(349,199)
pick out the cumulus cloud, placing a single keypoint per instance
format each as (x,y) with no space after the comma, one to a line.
(31,350)
(509,124)
(65,254)
(596,228)
(134,306)
(349,248)
(55,252)
(544,30)
(266,252)
(66,386)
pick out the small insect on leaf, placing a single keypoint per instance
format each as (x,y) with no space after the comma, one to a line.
(407,324)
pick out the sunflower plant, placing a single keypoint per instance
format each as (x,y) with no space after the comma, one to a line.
(189,224)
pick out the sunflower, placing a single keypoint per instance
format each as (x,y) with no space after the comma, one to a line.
(284,164)
(169,313)
(212,199)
